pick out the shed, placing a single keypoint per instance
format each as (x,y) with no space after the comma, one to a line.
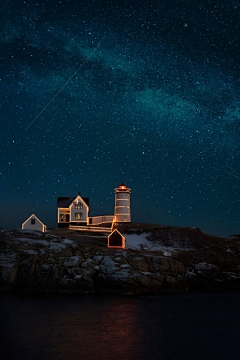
(33,223)
(116,240)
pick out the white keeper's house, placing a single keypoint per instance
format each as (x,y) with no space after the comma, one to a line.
(73,212)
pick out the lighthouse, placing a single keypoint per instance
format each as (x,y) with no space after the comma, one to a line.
(122,210)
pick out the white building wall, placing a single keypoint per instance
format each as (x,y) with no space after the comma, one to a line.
(37,226)
(122,209)
(83,211)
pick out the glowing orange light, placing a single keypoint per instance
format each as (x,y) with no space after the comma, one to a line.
(122,186)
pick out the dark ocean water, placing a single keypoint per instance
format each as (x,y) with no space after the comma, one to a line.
(189,326)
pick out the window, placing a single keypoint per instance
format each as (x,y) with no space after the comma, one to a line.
(78,205)
(78,216)
(32,221)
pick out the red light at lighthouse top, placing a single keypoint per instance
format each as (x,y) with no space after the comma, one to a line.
(122,186)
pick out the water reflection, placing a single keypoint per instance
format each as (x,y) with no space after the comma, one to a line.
(190,326)
(71,328)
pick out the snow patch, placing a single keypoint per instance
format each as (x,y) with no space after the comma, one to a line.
(29,252)
(205,266)
(29,231)
(108,265)
(72,261)
(34,242)
(136,242)
(140,242)
(68,241)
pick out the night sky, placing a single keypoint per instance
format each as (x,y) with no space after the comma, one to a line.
(156,105)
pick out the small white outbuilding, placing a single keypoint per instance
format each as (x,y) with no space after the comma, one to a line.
(33,223)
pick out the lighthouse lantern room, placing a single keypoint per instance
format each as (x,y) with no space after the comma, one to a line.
(122,210)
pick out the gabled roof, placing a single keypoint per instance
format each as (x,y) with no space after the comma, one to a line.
(117,232)
(81,199)
(35,218)
(65,202)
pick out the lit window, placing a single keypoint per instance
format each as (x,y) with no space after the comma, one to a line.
(78,205)
(78,216)
(32,221)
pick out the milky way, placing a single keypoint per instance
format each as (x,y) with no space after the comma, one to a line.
(156,106)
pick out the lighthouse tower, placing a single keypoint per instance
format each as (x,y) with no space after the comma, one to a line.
(122,211)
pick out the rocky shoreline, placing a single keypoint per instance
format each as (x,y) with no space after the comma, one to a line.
(46,263)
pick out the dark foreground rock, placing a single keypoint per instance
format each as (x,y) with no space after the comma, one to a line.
(46,263)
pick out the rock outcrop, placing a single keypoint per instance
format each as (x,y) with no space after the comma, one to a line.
(45,263)
(53,264)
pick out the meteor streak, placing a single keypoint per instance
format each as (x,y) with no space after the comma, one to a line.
(45,107)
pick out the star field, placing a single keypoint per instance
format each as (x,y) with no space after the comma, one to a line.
(156,105)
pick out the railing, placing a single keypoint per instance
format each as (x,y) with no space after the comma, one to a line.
(97,220)
(90,228)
